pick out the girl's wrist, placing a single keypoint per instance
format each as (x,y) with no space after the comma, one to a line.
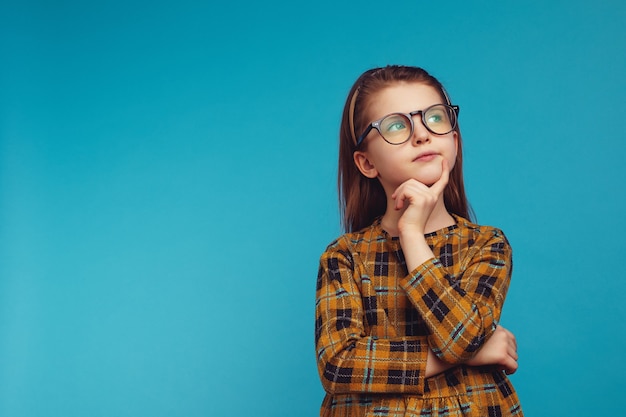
(410,232)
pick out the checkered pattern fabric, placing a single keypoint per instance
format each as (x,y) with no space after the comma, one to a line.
(375,322)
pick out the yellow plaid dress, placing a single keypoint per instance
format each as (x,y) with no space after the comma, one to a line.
(375,323)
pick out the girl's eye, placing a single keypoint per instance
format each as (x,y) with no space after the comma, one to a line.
(435,117)
(394,124)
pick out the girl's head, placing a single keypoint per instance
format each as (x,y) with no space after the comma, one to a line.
(362,199)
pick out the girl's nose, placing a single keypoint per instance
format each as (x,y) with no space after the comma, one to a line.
(420,133)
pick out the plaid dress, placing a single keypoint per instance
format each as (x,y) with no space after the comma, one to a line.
(375,322)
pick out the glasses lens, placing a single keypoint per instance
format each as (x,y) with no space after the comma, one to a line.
(440,119)
(395,128)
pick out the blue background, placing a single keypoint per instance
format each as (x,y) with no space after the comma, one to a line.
(167,184)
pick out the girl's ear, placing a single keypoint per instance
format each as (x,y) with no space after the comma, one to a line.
(364,165)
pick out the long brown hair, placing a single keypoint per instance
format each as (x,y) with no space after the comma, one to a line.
(362,199)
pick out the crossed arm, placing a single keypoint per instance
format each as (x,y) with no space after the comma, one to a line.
(461,315)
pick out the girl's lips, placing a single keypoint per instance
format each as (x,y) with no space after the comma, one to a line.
(425,157)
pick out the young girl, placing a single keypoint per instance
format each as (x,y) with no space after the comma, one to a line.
(408,300)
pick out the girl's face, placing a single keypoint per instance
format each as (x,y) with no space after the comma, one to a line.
(420,157)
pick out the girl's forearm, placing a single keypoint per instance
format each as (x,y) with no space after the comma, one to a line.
(416,250)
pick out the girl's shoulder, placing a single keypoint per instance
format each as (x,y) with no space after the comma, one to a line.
(358,240)
(473,226)
(475,232)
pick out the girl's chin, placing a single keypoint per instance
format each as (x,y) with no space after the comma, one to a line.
(428,178)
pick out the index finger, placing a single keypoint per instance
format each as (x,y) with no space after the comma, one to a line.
(441,183)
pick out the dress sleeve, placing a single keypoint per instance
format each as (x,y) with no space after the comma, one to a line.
(463,311)
(349,360)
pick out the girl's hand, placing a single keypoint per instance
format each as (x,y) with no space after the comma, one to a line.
(500,350)
(419,200)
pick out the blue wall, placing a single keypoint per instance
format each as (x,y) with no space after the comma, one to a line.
(167,184)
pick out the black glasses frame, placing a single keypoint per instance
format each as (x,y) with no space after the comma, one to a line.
(376,124)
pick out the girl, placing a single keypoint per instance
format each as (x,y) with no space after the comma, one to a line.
(408,300)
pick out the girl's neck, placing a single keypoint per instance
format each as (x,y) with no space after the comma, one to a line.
(439,218)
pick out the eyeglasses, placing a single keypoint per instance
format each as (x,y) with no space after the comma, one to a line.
(397,128)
